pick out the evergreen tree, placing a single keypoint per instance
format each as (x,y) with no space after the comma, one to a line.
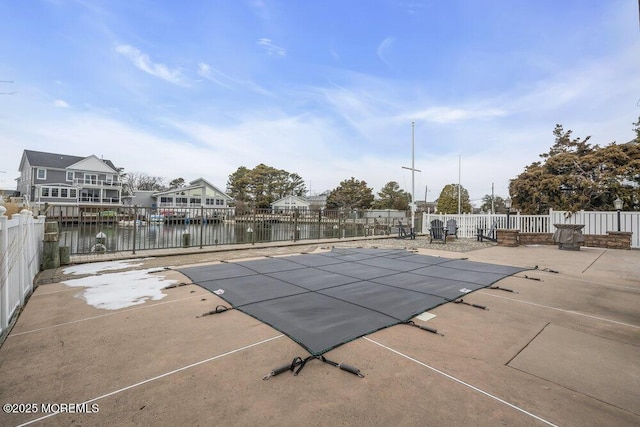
(350,194)
(575,175)
(263,185)
(448,200)
(391,196)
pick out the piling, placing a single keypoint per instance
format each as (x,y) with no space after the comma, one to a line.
(51,246)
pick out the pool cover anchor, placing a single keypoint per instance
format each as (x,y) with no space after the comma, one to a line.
(424,328)
(298,363)
(175,285)
(461,301)
(503,289)
(548,270)
(284,368)
(217,310)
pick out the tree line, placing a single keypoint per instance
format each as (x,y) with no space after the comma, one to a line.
(573,175)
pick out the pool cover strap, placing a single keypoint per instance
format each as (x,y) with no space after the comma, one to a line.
(298,363)
(424,328)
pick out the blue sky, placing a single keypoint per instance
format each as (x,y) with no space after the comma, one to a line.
(326,89)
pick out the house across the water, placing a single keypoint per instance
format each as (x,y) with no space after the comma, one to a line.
(73,182)
(299,203)
(199,199)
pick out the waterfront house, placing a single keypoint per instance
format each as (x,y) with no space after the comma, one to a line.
(290,203)
(301,203)
(198,193)
(67,180)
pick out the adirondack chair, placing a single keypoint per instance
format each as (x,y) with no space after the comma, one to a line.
(452,228)
(491,234)
(437,231)
(403,234)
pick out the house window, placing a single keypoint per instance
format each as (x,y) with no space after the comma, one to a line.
(44,192)
(195,200)
(41,174)
(64,192)
(55,192)
(219,202)
(70,176)
(91,179)
(73,193)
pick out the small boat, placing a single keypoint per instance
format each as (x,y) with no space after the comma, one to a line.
(156,218)
(135,223)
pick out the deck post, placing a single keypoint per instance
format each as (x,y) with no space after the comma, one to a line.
(135,219)
(202,221)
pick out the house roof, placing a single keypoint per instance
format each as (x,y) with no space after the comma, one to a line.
(196,183)
(300,199)
(317,198)
(54,160)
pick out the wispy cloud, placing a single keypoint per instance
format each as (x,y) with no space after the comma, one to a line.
(452,115)
(228,82)
(413,7)
(143,62)
(60,103)
(272,49)
(383,49)
(211,74)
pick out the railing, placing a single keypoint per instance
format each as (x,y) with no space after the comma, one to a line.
(81,182)
(20,253)
(594,222)
(134,228)
(110,200)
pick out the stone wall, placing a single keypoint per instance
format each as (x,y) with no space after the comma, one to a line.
(611,240)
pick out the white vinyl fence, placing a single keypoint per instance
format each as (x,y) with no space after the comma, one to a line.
(594,222)
(20,254)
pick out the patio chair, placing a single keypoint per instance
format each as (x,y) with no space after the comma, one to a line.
(452,228)
(491,233)
(403,234)
(437,231)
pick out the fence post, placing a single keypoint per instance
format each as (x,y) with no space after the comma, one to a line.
(135,218)
(20,257)
(26,219)
(4,270)
(202,221)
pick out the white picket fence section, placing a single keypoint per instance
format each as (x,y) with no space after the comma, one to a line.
(594,222)
(20,254)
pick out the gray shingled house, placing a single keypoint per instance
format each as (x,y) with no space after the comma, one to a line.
(62,180)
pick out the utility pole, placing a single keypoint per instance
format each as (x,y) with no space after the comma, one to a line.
(493,199)
(459,187)
(413,181)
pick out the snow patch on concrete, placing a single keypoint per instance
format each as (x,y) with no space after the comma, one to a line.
(97,267)
(113,291)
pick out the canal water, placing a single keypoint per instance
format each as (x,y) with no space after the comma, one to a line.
(88,238)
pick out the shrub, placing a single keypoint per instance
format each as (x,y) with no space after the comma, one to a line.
(12,208)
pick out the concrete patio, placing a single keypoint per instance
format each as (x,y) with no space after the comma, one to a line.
(562,349)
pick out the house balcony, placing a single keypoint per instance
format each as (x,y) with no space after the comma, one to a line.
(99,200)
(97,183)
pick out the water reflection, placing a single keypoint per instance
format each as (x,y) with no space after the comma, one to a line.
(81,239)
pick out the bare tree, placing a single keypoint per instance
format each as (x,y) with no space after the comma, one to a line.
(132,181)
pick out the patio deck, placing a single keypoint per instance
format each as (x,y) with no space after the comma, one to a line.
(562,350)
